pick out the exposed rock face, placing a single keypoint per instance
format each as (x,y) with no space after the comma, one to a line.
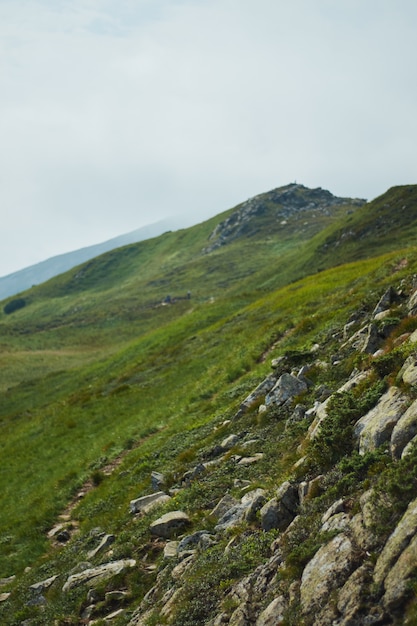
(375,428)
(399,540)
(284,202)
(330,567)
(404,430)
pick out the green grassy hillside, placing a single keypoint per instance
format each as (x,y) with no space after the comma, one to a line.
(98,369)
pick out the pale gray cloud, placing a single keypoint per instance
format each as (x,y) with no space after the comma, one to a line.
(114,114)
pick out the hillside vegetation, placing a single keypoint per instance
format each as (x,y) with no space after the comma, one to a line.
(147,359)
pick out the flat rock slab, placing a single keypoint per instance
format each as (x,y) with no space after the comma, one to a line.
(169,524)
(95,575)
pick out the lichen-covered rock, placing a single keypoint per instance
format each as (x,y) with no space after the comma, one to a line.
(404,430)
(273,615)
(352,597)
(375,428)
(398,541)
(398,582)
(328,569)
(169,524)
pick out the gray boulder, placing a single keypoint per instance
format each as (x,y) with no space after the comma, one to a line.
(259,392)
(96,575)
(169,524)
(286,388)
(281,510)
(375,428)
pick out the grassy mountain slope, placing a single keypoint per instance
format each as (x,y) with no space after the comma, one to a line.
(96,368)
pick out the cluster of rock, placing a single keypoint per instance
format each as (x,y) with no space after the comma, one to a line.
(350,579)
(288,201)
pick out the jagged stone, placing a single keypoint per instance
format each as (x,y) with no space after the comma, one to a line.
(328,569)
(259,392)
(144,504)
(361,524)
(6,581)
(5,596)
(169,524)
(108,618)
(375,428)
(96,575)
(169,601)
(286,388)
(273,615)
(404,430)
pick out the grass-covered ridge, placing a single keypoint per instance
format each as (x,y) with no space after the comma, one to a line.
(96,368)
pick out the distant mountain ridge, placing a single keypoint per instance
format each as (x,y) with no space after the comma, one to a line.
(40,272)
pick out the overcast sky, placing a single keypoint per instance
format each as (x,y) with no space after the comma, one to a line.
(117,113)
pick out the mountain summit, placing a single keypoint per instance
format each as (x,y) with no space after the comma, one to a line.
(279,209)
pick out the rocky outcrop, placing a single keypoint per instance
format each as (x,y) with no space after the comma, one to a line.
(375,428)
(328,569)
(285,204)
